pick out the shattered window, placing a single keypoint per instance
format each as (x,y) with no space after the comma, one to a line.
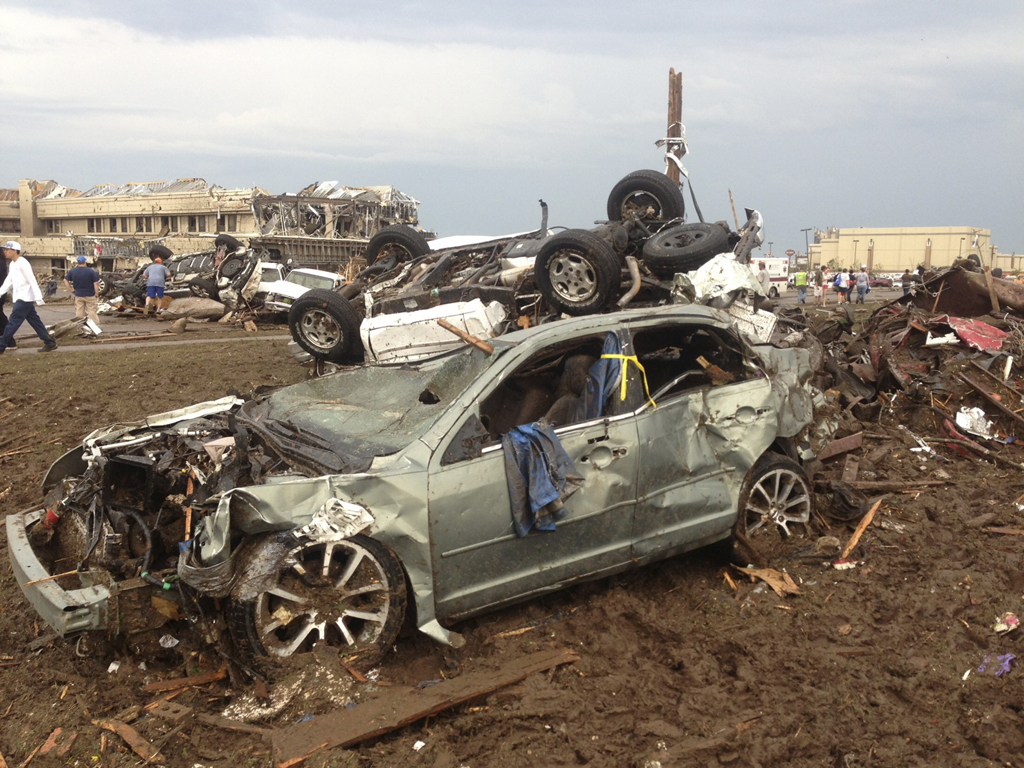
(682,358)
(548,386)
(113,224)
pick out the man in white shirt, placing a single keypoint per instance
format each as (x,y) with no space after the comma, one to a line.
(21,282)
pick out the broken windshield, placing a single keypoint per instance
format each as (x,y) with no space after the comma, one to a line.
(365,412)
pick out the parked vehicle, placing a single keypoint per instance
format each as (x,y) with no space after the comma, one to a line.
(778,273)
(282,293)
(880,282)
(325,511)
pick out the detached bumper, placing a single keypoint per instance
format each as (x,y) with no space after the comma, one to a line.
(66,610)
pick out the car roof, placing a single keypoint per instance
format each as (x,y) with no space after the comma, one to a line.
(679,313)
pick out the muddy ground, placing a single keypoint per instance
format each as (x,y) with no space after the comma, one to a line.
(876,665)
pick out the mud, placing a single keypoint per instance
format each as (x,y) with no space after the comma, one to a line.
(867,666)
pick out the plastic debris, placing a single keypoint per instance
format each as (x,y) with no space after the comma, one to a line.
(1006,623)
(996,664)
(114,666)
(418,746)
(168,641)
(973,420)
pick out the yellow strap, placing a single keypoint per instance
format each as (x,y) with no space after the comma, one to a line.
(631,359)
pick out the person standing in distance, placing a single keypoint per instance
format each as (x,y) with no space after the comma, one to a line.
(84,282)
(21,282)
(763,278)
(156,278)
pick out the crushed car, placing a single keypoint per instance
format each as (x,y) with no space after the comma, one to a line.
(282,292)
(629,260)
(329,511)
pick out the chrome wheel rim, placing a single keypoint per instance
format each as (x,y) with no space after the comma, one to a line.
(572,277)
(781,497)
(320,329)
(332,592)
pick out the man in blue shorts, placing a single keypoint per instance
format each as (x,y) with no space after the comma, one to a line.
(156,278)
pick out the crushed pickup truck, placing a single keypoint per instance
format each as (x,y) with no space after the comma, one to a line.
(325,511)
(629,260)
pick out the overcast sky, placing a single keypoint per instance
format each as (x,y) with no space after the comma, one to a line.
(855,113)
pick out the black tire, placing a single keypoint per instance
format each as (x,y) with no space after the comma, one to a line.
(203,288)
(326,325)
(649,194)
(398,241)
(577,273)
(776,494)
(684,248)
(106,284)
(161,251)
(773,292)
(257,628)
(975,258)
(228,242)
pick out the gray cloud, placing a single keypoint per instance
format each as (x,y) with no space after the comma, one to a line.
(855,113)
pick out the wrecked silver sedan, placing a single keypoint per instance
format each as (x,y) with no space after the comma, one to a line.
(330,511)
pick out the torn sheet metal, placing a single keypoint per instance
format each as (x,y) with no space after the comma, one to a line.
(410,336)
(718,277)
(975,421)
(758,324)
(974,333)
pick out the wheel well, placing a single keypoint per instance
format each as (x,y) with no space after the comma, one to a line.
(785,446)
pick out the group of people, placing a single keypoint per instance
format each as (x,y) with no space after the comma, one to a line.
(842,283)
(82,281)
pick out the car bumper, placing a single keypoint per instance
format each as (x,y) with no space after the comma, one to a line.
(67,611)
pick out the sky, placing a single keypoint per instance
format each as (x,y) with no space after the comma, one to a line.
(840,113)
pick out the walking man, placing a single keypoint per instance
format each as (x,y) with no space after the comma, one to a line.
(819,283)
(800,281)
(156,278)
(21,282)
(763,278)
(84,282)
(906,281)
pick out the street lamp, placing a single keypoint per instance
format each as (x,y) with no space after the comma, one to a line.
(770,247)
(855,252)
(961,251)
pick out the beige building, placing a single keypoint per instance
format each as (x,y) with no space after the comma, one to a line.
(894,249)
(114,226)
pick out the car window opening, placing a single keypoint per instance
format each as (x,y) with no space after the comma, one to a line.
(548,386)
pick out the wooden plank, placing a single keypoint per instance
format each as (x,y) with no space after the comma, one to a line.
(184,682)
(139,745)
(397,708)
(232,725)
(850,469)
(992,291)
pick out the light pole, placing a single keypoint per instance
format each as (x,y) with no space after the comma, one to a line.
(855,253)
(961,251)
(807,246)
(770,248)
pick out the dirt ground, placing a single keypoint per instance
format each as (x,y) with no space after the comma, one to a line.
(875,665)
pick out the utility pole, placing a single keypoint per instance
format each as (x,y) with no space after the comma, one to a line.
(675,118)
(807,246)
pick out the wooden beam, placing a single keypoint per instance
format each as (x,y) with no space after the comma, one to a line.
(397,708)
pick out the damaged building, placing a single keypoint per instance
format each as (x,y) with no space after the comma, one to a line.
(325,224)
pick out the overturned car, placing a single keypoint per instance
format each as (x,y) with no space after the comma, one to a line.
(330,511)
(630,259)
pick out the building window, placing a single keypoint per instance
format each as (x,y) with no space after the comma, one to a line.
(196,223)
(149,223)
(53,226)
(124,223)
(227,222)
(93,225)
(139,224)
(113,225)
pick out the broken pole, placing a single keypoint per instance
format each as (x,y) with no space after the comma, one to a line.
(938,295)
(480,344)
(675,119)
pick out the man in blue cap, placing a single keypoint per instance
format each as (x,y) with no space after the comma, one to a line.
(21,282)
(84,282)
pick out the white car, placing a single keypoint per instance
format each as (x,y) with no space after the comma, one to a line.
(281,293)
